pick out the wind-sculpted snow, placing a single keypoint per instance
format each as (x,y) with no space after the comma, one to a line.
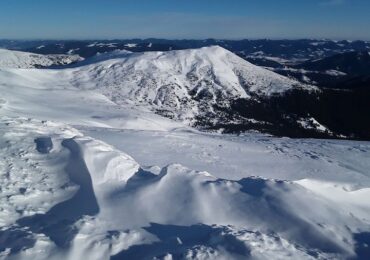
(101,203)
(31,182)
(24,60)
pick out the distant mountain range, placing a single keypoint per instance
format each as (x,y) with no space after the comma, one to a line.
(319,62)
(285,49)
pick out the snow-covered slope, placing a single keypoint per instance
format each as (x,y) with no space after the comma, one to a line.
(181,84)
(25,60)
(83,177)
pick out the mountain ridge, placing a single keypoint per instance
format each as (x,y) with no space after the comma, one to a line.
(26,60)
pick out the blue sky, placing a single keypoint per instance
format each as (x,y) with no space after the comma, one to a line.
(174,19)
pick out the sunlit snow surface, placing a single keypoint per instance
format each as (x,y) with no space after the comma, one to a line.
(19,59)
(123,183)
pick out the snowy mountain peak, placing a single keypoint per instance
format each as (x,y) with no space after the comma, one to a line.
(183,84)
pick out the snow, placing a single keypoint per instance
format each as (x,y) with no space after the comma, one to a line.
(71,51)
(319,43)
(335,73)
(312,123)
(121,182)
(262,55)
(18,59)
(100,44)
(131,45)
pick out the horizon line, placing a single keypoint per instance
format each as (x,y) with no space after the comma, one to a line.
(185,39)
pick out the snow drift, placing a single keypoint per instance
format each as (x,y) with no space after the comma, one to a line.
(137,212)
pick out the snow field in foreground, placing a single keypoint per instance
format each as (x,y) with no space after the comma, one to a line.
(153,211)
